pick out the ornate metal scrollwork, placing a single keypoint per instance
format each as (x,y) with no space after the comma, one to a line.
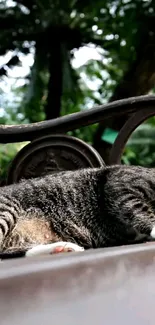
(52,154)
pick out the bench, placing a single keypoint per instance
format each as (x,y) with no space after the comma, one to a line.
(105,286)
(51,150)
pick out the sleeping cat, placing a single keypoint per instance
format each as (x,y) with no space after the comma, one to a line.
(87,208)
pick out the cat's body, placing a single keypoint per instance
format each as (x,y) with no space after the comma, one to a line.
(92,207)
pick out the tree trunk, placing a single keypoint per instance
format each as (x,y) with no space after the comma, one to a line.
(139,80)
(53,106)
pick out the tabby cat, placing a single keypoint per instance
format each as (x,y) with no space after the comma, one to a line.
(89,208)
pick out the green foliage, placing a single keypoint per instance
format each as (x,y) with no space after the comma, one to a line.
(140,149)
(7,153)
(116,28)
(86,134)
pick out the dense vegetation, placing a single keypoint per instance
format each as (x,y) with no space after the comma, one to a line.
(123,34)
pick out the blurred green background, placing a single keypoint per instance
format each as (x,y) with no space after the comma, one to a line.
(59,57)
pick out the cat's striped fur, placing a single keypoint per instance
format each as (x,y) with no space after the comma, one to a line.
(91,207)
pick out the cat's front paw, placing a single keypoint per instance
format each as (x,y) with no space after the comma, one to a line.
(54,248)
(1,237)
(152,234)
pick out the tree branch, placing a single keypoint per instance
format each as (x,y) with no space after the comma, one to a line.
(53,106)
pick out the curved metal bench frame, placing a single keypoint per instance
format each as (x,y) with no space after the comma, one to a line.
(139,108)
